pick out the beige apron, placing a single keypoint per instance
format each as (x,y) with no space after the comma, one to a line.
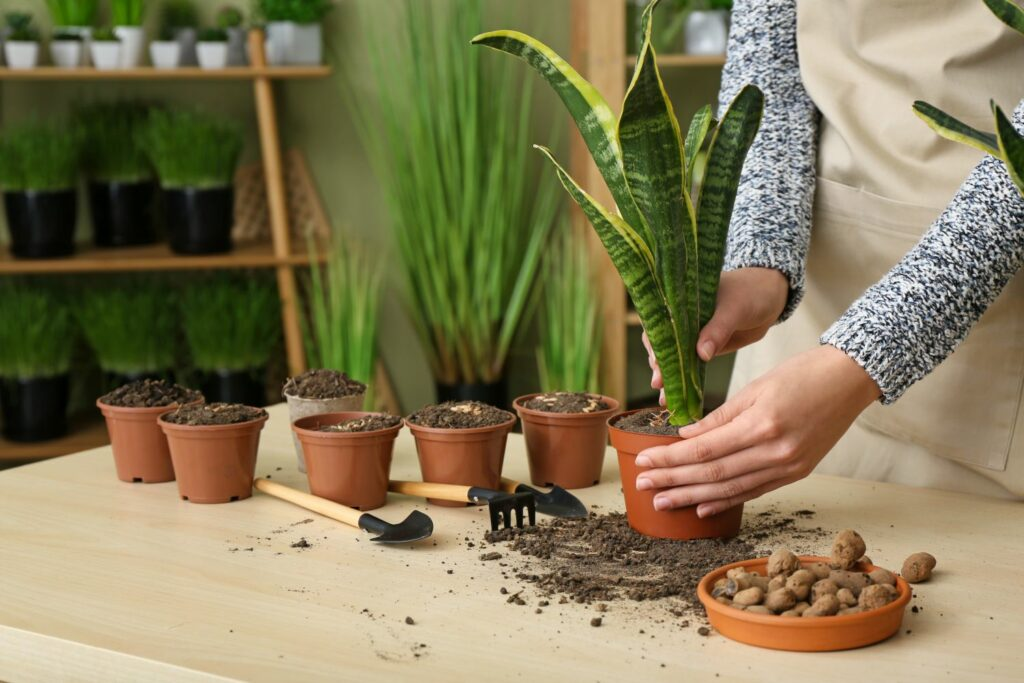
(883,179)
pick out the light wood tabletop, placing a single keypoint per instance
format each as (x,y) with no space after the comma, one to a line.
(106,581)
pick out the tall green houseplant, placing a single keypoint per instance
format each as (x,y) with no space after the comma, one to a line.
(668,244)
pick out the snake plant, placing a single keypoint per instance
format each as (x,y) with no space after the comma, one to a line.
(1006,144)
(668,241)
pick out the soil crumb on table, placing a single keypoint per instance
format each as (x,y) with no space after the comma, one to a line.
(323,384)
(460,415)
(150,393)
(370,423)
(566,402)
(215,414)
(653,421)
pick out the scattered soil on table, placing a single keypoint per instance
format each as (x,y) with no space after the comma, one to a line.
(302,543)
(460,415)
(370,423)
(215,414)
(566,402)
(654,421)
(150,393)
(323,384)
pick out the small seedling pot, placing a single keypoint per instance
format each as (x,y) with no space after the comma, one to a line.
(212,54)
(42,223)
(351,468)
(818,634)
(299,408)
(21,54)
(234,386)
(66,54)
(35,409)
(214,463)
(106,55)
(122,213)
(133,45)
(681,523)
(140,448)
(565,449)
(165,54)
(491,393)
(468,457)
(295,44)
(199,221)
(83,32)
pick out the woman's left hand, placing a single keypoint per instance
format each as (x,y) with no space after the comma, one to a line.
(772,433)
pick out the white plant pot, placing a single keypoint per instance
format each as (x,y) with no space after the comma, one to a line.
(86,34)
(165,54)
(106,55)
(187,38)
(133,45)
(66,54)
(21,54)
(707,32)
(237,44)
(294,44)
(212,55)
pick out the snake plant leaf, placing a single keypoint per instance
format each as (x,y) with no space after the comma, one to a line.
(953,129)
(701,123)
(1008,12)
(1011,147)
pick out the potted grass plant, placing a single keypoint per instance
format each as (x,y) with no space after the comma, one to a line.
(36,344)
(66,49)
(179,20)
(75,16)
(127,17)
(460,188)
(230,20)
(195,156)
(39,178)
(294,30)
(21,46)
(232,326)
(121,186)
(212,49)
(130,326)
(105,49)
(667,242)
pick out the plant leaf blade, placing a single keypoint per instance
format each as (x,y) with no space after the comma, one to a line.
(954,129)
(695,136)
(1011,148)
(1008,12)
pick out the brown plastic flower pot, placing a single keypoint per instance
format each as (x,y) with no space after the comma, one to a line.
(299,408)
(565,449)
(468,457)
(214,463)
(818,634)
(351,468)
(681,523)
(139,445)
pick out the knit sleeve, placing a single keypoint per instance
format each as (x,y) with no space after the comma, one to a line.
(912,319)
(771,223)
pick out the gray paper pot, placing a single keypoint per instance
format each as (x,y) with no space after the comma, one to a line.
(299,408)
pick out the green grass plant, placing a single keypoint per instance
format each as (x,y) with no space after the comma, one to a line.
(127,12)
(213,35)
(111,144)
(299,11)
(37,331)
(105,34)
(229,17)
(73,12)
(191,148)
(179,14)
(39,156)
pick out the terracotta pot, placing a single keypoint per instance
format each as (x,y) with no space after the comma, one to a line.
(682,523)
(468,457)
(566,449)
(139,445)
(299,408)
(820,634)
(351,468)
(214,463)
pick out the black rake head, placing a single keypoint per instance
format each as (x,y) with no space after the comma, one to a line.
(502,507)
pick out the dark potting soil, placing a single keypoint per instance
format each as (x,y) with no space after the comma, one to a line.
(149,393)
(653,421)
(323,384)
(460,415)
(215,414)
(370,423)
(566,402)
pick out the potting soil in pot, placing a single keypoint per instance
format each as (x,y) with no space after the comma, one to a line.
(150,394)
(370,423)
(215,414)
(323,384)
(460,415)
(566,402)
(654,421)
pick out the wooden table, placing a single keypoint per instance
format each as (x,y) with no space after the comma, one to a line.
(101,580)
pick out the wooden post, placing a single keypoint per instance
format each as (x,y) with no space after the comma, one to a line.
(277,202)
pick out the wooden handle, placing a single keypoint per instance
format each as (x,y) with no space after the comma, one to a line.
(509,485)
(423,489)
(321,506)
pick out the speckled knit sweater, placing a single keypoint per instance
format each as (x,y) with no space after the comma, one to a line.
(912,319)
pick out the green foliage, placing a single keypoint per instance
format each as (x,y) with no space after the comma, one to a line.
(231,322)
(179,14)
(39,156)
(63,35)
(191,148)
(73,12)
(105,35)
(299,11)
(229,17)
(36,331)
(129,324)
(127,12)
(669,242)
(213,35)
(469,215)
(342,302)
(111,146)
(20,24)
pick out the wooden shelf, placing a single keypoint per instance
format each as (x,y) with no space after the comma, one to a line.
(85,434)
(53,73)
(682,60)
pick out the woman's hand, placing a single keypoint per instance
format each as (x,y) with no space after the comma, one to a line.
(770,434)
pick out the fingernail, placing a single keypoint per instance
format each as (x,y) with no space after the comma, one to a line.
(683,431)
(643,484)
(705,511)
(661,504)
(643,461)
(707,350)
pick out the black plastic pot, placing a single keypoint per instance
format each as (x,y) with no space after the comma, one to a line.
(122,213)
(492,393)
(42,223)
(234,386)
(35,409)
(199,221)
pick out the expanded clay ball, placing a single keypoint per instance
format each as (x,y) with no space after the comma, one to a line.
(825,606)
(782,562)
(759,609)
(759,581)
(847,549)
(776,583)
(750,596)
(800,583)
(823,587)
(819,569)
(882,576)
(918,567)
(855,581)
(877,596)
(780,600)
(846,597)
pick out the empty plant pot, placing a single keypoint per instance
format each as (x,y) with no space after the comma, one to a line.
(141,454)
(682,523)
(234,386)
(42,223)
(199,221)
(299,408)
(565,449)
(122,213)
(106,55)
(35,409)
(214,463)
(212,55)
(351,468)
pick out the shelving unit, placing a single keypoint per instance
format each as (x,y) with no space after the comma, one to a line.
(189,73)
(84,434)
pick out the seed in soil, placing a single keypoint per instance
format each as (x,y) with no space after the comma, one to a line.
(460,415)
(654,421)
(596,621)
(323,384)
(150,393)
(370,423)
(566,402)
(410,621)
(215,414)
